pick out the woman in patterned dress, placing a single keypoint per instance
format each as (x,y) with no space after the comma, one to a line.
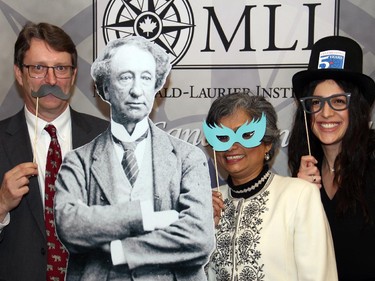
(269,227)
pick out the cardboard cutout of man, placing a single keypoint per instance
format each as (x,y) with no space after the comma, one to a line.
(155,224)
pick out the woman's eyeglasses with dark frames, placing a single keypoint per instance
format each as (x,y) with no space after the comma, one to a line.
(314,104)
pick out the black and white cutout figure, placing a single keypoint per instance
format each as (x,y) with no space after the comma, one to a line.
(154,223)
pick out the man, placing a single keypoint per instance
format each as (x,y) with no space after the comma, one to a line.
(154,225)
(45,65)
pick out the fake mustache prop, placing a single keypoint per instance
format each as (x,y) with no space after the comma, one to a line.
(43,91)
(46,89)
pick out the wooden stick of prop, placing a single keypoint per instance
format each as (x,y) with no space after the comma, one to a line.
(36,130)
(307,133)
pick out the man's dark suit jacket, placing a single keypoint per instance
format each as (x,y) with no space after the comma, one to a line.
(23,243)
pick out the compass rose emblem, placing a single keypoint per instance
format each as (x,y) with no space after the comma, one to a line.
(168,23)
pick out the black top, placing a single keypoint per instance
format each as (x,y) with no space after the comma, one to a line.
(251,187)
(354,240)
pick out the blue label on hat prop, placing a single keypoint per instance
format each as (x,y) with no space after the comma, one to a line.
(332,59)
(249,135)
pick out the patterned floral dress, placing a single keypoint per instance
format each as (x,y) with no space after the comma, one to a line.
(263,233)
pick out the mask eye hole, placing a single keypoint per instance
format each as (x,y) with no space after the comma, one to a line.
(247,135)
(223,138)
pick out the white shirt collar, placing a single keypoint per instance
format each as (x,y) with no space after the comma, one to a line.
(62,123)
(119,131)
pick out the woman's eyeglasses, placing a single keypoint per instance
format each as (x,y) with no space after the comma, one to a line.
(314,104)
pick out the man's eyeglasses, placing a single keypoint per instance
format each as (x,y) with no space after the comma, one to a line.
(40,71)
(314,104)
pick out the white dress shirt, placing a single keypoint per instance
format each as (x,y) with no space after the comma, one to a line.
(119,131)
(122,134)
(41,142)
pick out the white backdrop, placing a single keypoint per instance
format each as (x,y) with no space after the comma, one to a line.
(217,48)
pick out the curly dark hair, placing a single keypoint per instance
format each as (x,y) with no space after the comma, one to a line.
(353,159)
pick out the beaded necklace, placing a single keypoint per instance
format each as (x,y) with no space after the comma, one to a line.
(251,187)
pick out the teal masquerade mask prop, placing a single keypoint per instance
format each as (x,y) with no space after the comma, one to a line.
(249,135)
